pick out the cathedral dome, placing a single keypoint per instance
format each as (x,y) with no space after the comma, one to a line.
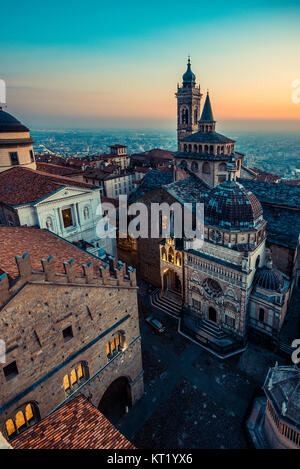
(9,123)
(268,277)
(189,76)
(230,206)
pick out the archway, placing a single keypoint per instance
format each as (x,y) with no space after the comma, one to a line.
(171,281)
(115,400)
(212,314)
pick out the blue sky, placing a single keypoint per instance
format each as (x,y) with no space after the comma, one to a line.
(105,62)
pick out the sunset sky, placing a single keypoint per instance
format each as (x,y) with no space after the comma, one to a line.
(117,64)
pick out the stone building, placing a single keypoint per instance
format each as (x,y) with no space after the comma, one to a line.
(15,143)
(70,325)
(188,104)
(274,421)
(229,286)
(48,198)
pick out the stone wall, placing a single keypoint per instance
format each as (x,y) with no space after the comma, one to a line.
(32,324)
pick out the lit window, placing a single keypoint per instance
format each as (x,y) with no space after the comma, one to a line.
(24,418)
(20,419)
(80,371)
(67,217)
(29,413)
(73,377)
(10,427)
(66,382)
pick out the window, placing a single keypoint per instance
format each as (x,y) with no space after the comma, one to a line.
(31,156)
(10,371)
(229,321)
(67,217)
(206,168)
(67,333)
(196,304)
(78,375)
(261,316)
(115,345)
(14,160)
(25,417)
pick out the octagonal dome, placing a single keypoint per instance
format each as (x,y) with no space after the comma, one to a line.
(232,207)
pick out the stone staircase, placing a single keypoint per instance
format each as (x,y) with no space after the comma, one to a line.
(212,329)
(285,347)
(165,303)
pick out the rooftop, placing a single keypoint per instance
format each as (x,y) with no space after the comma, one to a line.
(75,425)
(57,169)
(153,179)
(41,244)
(207,137)
(274,193)
(20,186)
(282,386)
(9,123)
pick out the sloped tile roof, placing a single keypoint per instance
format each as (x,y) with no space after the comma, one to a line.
(207,137)
(154,179)
(57,169)
(23,185)
(274,193)
(40,244)
(75,425)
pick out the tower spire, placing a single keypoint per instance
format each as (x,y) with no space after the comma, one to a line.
(207,122)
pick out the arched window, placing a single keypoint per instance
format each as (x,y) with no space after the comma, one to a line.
(194,166)
(178,259)
(206,149)
(200,148)
(115,345)
(195,148)
(27,415)
(257,261)
(190,147)
(206,168)
(184,116)
(261,316)
(163,254)
(78,375)
(211,149)
(171,255)
(185,147)
(195,116)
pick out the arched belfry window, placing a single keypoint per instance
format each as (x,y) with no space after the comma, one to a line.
(184,116)
(195,116)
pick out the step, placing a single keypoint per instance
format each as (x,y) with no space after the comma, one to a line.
(212,330)
(165,299)
(165,304)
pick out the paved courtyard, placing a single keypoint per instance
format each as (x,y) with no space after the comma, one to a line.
(192,399)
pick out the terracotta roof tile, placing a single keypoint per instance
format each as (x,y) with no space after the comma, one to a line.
(40,244)
(75,425)
(23,185)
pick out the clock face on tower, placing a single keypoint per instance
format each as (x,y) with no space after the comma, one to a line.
(215,236)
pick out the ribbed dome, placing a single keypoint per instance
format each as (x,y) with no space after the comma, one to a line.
(230,206)
(269,278)
(9,123)
(189,76)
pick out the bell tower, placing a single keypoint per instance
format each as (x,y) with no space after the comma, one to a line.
(188,104)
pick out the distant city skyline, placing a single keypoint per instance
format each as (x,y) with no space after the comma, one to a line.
(117,65)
